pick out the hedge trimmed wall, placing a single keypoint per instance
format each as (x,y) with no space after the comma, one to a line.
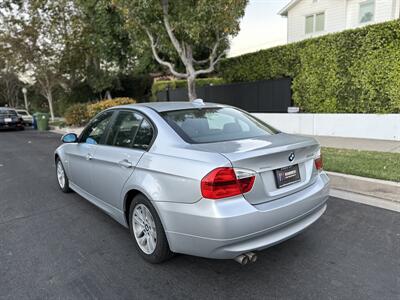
(354,71)
(161,85)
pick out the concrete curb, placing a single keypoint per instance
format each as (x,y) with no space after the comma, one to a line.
(354,197)
(386,190)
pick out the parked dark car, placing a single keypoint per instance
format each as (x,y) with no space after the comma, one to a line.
(9,119)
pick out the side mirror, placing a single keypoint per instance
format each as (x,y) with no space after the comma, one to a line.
(69,138)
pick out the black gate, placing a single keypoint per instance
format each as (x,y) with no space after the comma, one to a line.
(272,96)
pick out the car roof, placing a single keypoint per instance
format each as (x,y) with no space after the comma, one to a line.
(168,106)
(7,108)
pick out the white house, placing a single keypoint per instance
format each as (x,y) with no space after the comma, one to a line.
(311,18)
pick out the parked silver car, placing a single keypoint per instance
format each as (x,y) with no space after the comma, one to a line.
(196,178)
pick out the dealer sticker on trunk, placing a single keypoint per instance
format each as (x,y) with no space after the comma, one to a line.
(287,175)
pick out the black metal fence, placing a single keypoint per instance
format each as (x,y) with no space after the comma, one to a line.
(258,96)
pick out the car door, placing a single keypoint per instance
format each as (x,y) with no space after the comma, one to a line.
(127,140)
(80,155)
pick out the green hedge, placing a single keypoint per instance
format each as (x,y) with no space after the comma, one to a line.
(354,71)
(80,114)
(161,85)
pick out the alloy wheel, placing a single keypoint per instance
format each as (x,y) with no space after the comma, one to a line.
(60,175)
(144,229)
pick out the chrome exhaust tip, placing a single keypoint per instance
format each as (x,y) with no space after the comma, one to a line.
(242,259)
(252,256)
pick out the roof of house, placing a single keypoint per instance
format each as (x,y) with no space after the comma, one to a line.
(284,11)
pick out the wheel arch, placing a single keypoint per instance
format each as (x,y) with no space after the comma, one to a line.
(128,198)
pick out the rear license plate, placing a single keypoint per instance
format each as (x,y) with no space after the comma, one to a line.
(7,120)
(287,175)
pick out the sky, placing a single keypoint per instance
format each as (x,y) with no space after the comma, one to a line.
(260,28)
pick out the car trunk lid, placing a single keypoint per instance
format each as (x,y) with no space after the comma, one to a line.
(266,154)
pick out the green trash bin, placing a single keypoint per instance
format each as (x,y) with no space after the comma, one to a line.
(42,121)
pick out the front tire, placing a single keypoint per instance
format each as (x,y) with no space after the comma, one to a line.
(147,230)
(62,177)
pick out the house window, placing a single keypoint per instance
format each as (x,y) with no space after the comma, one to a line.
(310,24)
(320,22)
(315,23)
(367,11)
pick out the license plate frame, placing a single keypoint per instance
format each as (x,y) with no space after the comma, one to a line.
(287,176)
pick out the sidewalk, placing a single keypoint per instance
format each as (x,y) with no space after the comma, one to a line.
(359,144)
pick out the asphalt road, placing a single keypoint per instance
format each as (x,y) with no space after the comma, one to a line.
(59,246)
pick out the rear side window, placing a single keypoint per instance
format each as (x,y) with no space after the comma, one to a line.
(210,125)
(144,135)
(124,129)
(130,130)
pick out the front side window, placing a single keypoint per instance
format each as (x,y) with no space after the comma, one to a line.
(94,133)
(210,125)
(124,129)
(367,11)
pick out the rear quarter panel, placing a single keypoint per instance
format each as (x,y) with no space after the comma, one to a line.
(173,175)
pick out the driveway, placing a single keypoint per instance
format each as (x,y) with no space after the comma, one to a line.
(55,245)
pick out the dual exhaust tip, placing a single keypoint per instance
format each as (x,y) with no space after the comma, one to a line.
(244,259)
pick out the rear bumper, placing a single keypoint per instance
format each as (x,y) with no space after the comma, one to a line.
(11,125)
(226,228)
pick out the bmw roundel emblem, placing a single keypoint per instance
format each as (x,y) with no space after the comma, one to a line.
(292,156)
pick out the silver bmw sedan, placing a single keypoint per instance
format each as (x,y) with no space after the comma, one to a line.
(196,178)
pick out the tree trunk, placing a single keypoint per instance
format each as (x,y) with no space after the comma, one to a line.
(191,82)
(108,95)
(50,100)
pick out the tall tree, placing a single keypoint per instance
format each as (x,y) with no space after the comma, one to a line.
(185,28)
(37,36)
(10,85)
(104,44)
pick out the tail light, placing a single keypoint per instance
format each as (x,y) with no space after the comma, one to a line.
(226,182)
(319,164)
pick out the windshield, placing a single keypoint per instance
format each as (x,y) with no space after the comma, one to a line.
(7,112)
(210,125)
(22,112)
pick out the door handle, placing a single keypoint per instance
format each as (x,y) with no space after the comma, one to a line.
(89,156)
(125,163)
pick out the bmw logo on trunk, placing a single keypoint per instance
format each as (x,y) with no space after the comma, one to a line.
(292,156)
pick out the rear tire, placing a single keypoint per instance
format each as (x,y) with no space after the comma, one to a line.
(62,177)
(148,233)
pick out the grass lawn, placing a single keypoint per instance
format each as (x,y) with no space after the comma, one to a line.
(379,165)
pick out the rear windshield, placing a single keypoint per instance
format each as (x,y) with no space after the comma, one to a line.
(7,112)
(22,112)
(210,125)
